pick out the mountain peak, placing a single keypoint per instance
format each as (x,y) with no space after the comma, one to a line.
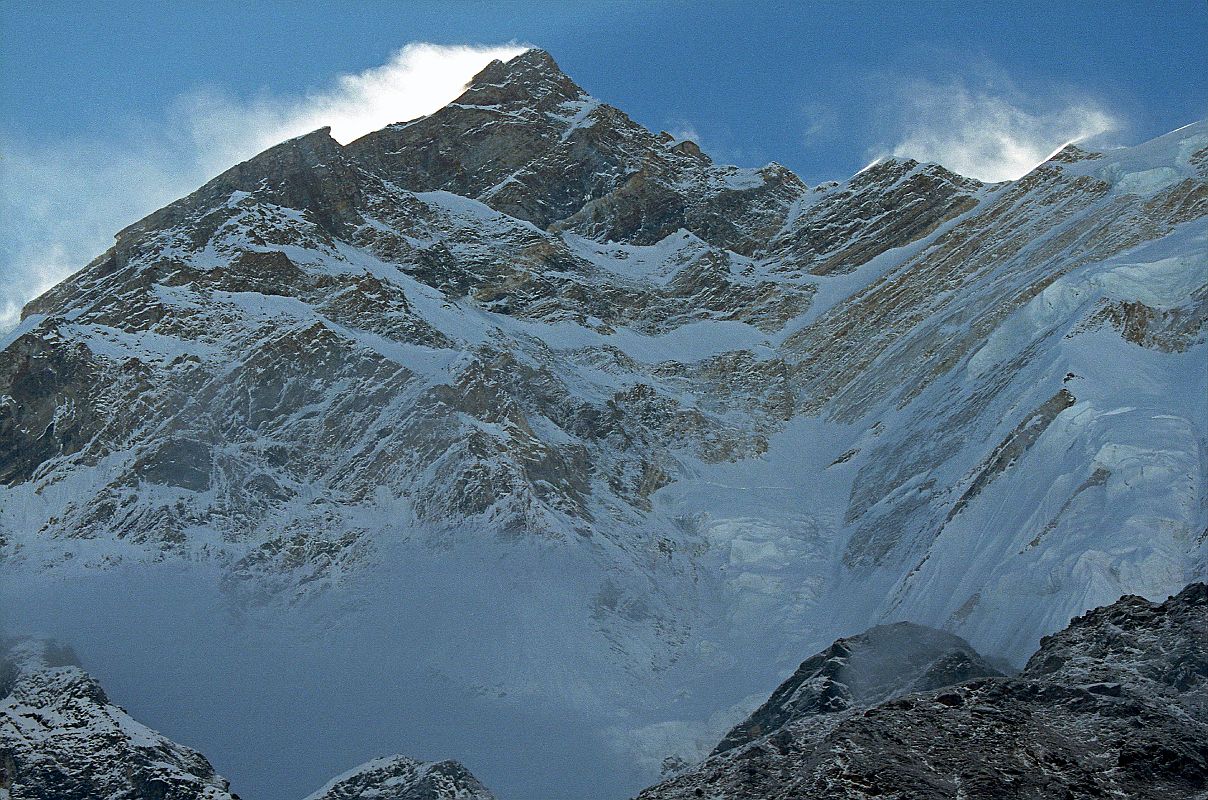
(535,57)
(531,78)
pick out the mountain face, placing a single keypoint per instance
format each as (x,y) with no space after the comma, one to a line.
(654,413)
(61,738)
(1112,706)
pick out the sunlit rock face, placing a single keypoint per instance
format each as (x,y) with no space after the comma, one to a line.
(1112,706)
(741,415)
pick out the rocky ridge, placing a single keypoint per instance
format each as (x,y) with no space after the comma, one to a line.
(1115,705)
(863,670)
(61,738)
(402,778)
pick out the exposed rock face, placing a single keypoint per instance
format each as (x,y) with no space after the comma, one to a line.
(1115,705)
(527,141)
(890,204)
(62,739)
(748,411)
(402,778)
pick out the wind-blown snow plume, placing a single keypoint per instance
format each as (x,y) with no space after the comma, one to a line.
(62,201)
(417,80)
(993,133)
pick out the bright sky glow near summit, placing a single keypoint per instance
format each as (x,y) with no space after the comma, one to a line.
(113,110)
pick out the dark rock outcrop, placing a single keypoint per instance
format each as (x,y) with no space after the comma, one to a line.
(858,671)
(1115,705)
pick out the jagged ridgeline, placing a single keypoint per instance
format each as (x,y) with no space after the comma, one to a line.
(712,417)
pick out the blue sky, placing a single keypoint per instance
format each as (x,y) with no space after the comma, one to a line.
(112,110)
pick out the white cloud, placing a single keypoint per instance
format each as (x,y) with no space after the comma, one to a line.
(993,132)
(62,201)
(821,120)
(685,132)
(417,80)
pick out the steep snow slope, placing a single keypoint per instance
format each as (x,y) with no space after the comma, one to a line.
(619,428)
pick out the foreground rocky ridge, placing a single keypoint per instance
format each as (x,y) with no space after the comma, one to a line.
(861,671)
(62,739)
(1115,705)
(402,778)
